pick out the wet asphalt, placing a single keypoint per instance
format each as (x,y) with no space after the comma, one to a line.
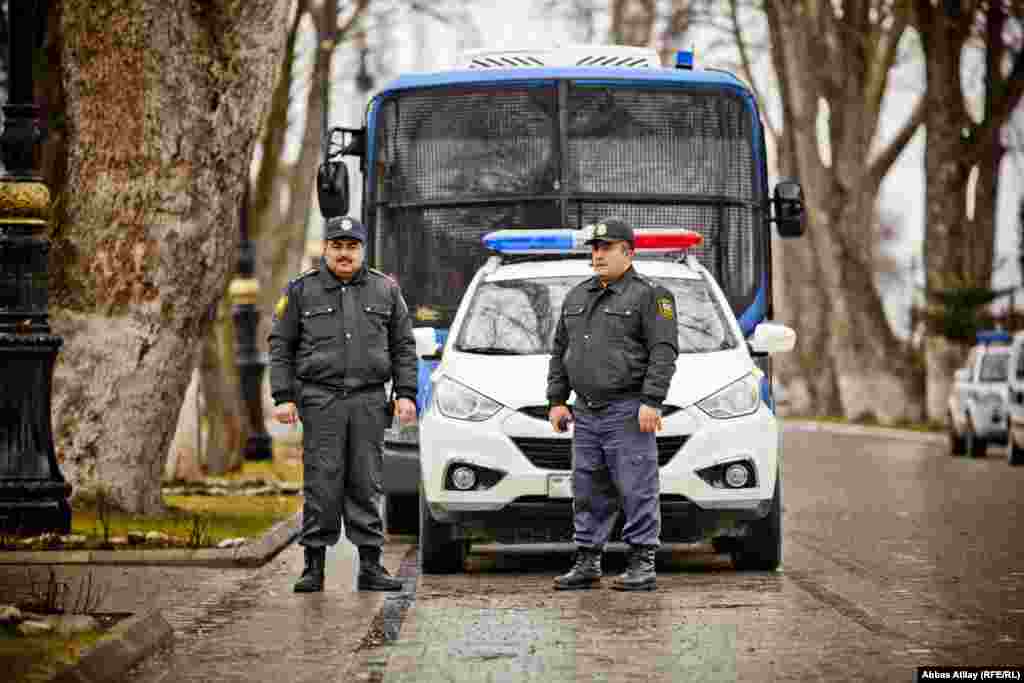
(896,555)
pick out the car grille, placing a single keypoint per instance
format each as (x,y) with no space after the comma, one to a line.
(556,454)
(541,412)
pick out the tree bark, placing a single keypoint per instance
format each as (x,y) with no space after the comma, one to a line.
(841,56)
(632,22)
(959,249)
(223,413)
(164,99)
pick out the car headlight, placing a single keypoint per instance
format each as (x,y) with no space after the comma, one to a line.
(738,399)
(458,401)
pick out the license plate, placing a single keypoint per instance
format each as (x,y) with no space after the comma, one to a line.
(559,486)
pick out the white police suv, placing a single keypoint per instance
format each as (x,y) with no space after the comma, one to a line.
(493,468)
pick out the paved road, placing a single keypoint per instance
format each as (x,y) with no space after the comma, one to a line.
(896,555)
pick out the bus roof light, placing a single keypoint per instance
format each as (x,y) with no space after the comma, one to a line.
(684,60)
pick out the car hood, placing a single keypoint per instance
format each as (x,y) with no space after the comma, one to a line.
(518,381)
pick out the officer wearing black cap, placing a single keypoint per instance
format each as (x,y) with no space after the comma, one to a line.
(340,332)
(615,346)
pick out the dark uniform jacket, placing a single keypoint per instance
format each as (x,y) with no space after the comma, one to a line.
(615,342)
(344,336)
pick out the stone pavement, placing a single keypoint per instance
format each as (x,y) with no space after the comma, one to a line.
(248,625)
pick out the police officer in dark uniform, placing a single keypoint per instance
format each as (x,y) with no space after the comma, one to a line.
(341,331)
(616,346)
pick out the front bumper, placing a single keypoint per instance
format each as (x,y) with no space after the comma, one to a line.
(990,422)
(519,507)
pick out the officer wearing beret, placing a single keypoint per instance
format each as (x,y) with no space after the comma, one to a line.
(616,345)
(340,332)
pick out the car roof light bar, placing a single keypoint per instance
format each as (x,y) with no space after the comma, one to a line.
(566,240)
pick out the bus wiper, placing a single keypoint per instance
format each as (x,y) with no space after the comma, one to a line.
(490,351)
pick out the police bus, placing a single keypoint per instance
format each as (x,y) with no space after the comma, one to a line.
(558,138)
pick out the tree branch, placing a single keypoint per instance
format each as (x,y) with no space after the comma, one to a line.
(878,168)
(745,64)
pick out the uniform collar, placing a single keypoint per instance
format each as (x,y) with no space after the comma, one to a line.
(615,287)
(331,281)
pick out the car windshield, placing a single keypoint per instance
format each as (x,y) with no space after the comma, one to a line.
(518,317)
(994,368)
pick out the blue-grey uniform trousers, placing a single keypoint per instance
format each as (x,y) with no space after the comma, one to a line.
(615,466)
(342,465)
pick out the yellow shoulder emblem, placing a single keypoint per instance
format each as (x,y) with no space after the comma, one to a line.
(665,309)
(281,304)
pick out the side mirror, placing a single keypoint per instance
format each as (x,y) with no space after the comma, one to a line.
(332,190)
(427,347)
(789,208)
(772,338)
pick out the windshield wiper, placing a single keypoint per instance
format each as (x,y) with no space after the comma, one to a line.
(490,351)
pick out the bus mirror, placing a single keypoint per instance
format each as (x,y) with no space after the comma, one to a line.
(332,189)
(789,208)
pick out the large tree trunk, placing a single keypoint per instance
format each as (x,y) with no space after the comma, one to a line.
(164,98)
(958,248)
(841,56)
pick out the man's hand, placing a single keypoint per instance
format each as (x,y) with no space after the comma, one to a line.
(650,419)
(406,411)
(556,415)
(286,413)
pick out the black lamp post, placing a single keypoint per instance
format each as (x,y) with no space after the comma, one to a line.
(244,294)
(33,492)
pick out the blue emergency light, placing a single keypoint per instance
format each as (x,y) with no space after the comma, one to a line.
(993,337)
(684,60)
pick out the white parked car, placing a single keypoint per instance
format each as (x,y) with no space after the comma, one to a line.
(493,467)
(978,398)
(1015,401)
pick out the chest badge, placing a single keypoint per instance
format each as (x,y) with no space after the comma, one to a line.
(665,309)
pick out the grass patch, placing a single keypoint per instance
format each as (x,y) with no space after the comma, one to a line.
(39,658)
(220,517)
(268,470)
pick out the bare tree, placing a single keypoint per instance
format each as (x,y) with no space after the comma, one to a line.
(959,248)
(163,102)
(833,60)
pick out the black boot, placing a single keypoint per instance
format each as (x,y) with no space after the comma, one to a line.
(639,574)
(372,574)
(312,579)
(585,572)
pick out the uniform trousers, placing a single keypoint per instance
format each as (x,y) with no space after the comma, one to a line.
(615,468)
(342,465)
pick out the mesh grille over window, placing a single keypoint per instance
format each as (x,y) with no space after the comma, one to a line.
(453,164)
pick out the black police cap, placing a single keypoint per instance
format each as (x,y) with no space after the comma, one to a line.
(611,230)
(344,228)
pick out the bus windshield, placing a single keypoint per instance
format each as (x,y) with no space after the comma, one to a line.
(451,164)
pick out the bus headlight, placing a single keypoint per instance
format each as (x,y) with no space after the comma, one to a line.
(738,399)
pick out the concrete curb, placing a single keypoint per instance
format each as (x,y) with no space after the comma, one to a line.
(128,643)
(859,430)
(249,555)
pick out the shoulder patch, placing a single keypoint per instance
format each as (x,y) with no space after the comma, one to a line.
(665,309)
(280,306)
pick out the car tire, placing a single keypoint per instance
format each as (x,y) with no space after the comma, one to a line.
(441,552)
(402,514)
(956,441)
(1014,453)
(761,550)
(975,445)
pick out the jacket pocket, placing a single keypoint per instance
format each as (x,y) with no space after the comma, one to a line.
(321,322)
(620,322)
